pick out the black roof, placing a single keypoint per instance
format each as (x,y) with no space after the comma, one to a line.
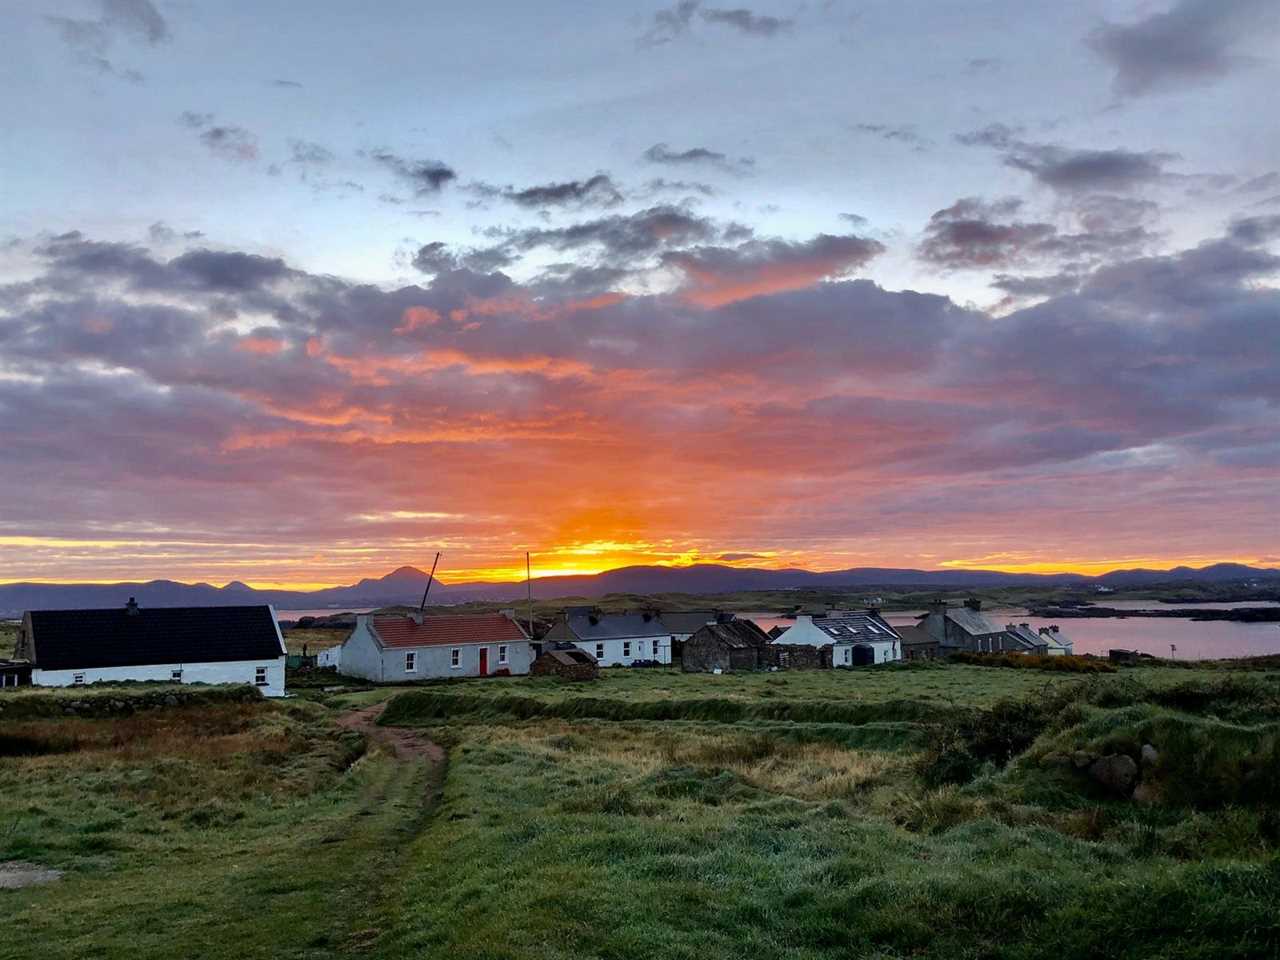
(71,639)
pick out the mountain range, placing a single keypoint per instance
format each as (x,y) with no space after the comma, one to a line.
(405,585)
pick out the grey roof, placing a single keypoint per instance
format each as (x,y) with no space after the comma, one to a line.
(736,634)
(856,628)
(1024,635)
(777,631)
(688,621)
(611,626)
(570,658)
(971,622)
(914,635)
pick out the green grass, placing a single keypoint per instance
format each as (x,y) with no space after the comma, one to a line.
(8,639)
(314,640)
(214,831)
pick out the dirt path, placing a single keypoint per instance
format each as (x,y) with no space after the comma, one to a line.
(406,744)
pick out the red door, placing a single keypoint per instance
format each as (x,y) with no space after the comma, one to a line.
(484,661)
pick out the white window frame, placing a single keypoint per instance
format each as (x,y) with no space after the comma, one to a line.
(655,648)
(175,676)
(77,679)
(260,677)
(411,661)
(599,651)
(502,653)
(626,648)
(455,658)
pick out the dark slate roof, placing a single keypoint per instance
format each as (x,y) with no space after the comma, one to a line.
(1024,636)
(971,622)
(72,639)
(855,627)
(587,625)
(736,634)
(914,635)
(688,621)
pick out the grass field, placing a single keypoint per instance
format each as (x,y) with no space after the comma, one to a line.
(907,812)
(8,638)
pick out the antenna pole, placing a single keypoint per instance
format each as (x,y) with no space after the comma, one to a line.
(423,606)
(528,581)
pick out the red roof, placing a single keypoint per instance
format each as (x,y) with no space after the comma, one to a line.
(434,631)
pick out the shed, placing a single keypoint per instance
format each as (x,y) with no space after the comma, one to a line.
(917,644)
(569,663)
(735,645)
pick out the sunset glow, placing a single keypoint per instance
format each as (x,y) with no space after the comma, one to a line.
(677,301)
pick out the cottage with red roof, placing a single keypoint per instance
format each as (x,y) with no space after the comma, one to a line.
(397,649)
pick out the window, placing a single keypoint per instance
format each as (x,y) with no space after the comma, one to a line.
(655,649)
(626,648)
(176,675)
(599,651)
(411,662)
(260,676)
(502,653)
(455,657)
(77,678)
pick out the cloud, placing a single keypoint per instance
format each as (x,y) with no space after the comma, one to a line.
(718,275)
(227,141)
(309,153)
(901,133)
(597,191)
(662,153)
(1069,170)
(292,84)
(161,232)
(425,177)
(671,23)
(1193,42)
(620,238)
(90,41)
(736,557)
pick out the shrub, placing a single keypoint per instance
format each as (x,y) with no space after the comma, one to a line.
(1028,661)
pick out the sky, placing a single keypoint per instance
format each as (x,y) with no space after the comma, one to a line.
(295,297)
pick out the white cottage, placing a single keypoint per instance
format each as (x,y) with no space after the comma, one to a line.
(856,639)
(397,649)
(614,639)
(71,648)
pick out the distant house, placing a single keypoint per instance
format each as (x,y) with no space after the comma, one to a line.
(725,647)
(569,663)
(1057,643)
(391,649)
(614,639)
(1021,638)
(856,639)
(682,624)
(69,648)
(330,657)
(917,644)
(964,628)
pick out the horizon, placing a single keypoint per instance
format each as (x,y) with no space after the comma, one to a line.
(778,286)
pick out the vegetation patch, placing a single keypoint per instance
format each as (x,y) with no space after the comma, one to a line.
(1026,661)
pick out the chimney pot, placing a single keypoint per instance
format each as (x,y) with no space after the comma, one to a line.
(131,607)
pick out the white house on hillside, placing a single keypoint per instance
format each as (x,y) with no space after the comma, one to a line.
(856,639)
(71,648)
(400,649)
(614,639)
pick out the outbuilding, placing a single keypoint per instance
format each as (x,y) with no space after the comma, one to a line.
(726,647)
(569,663)
(400,649)
(71,648)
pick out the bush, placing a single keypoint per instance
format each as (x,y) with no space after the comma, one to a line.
(1029,661)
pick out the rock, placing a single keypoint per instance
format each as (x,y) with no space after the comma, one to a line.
(1083,758)
(1117,772)
(1145,793)
(171,701)
(1150,755)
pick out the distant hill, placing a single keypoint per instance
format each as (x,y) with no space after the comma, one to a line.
(405,585)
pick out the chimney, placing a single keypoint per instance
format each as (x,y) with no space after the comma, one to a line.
(804,618)
(973,603)
(417,617)
(131,608)
(938,606)
(1053,628)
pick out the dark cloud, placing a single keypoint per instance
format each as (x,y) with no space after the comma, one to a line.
(161,232)
(745,21)
(620,237)
(286,83)
(663,185)
(670,23)
(424,176)
(227,141)
(90,41)
(857,219)
(1266,181)
(1193,42)
(732,557)
(976,234)
(1069,170)
(597,191)
(1255,231)
(435,257)
(662,153)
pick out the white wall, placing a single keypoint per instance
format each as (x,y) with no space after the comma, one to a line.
(330,657)
(240,671)
(360,655)
(615,651)
(885,651)
(436,660)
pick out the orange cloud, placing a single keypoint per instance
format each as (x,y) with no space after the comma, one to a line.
(260,346)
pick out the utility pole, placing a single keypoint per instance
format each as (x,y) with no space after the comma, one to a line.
(423,606)
(528,581)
